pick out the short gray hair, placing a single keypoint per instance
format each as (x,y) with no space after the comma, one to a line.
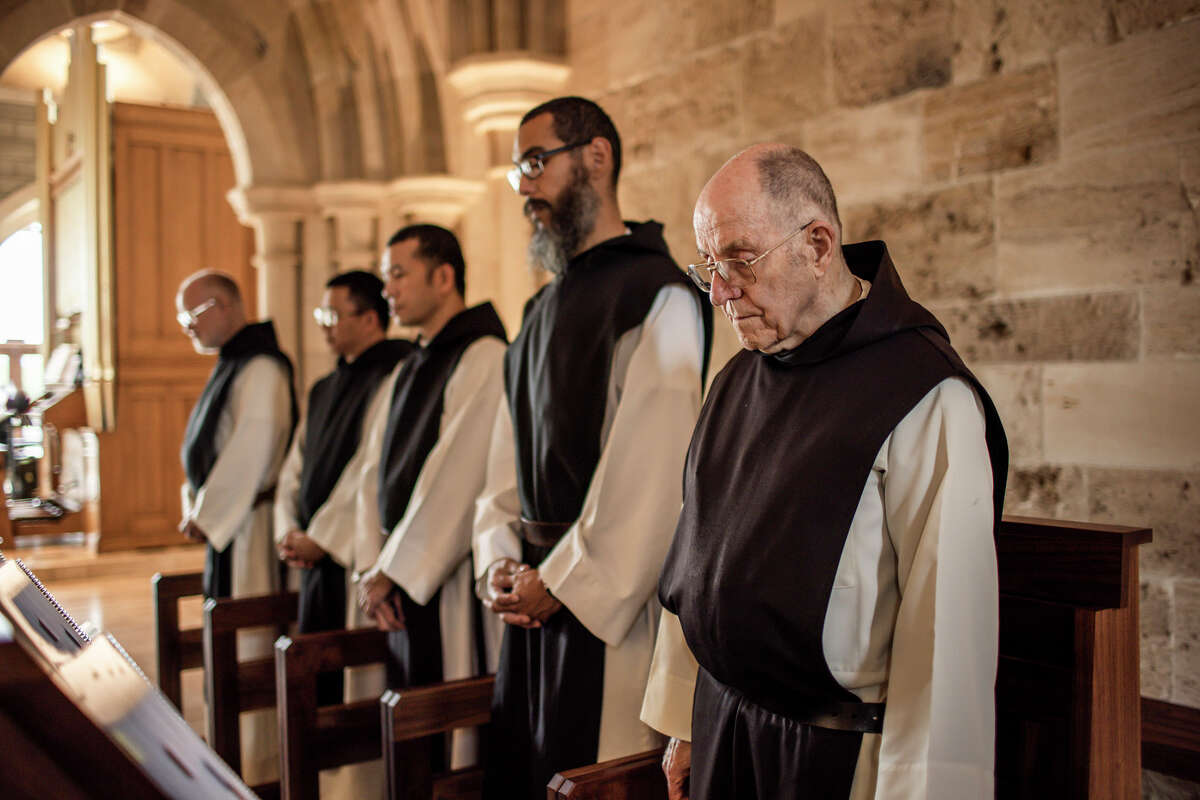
(791,178)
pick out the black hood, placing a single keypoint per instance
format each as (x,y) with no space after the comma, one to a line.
(885,311)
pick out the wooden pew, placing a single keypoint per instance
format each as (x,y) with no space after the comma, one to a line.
(233,686)
(177,649)
(1067,700)
(411,716)
(312,737)
(635,777)
(1067,694)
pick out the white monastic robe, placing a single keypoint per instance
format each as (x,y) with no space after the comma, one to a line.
(252,436)
(913,616)
(335,526)
(605,568)
(430,547)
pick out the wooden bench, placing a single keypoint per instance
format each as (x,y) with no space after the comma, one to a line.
(234,686)
(176,649)
(411,716)
(312,737)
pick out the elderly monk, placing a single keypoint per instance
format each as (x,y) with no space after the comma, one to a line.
(834,567)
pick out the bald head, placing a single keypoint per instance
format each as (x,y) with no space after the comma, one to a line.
(791,181)
(212,283)
(211,304)
(771,209)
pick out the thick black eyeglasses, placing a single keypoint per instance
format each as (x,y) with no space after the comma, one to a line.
(533,166)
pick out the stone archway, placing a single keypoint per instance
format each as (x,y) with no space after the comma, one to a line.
(241,74)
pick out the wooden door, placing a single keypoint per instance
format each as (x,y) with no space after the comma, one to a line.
(171,170)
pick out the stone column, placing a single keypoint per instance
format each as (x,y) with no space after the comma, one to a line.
(276,214)
(353,207)
(493,92)
(440,199)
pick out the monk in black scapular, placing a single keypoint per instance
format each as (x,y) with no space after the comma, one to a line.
(834,567)
(235,441)
(601,390)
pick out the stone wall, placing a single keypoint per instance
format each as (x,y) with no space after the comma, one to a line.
(17,135)
(1035,169)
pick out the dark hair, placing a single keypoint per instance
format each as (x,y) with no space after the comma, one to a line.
(791,178)
(577,119)
(365,290)
(436,245)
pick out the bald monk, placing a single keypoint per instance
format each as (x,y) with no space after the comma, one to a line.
(233,447)
(834,569)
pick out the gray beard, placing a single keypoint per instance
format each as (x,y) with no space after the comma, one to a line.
(571,222)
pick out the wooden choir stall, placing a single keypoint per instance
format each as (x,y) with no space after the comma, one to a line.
(1067,693)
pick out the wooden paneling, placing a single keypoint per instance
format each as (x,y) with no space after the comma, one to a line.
(171,170)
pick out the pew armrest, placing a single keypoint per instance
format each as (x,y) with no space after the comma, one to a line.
(429,710)
(410,716)
(231,685)
(175,649)
(636,776)
(312,737)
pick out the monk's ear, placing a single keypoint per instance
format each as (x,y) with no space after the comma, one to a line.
(823,241)
(598,156)
(443,277)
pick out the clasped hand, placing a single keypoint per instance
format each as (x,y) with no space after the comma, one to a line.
(516,592)
(379,598)
(299,550)
(192,531)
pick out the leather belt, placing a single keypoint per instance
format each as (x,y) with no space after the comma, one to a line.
(265,496)
(539,534)
(834,715)
(862,717)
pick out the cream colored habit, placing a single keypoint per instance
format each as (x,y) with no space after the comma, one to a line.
(606,567)
(430,547)
(252,436)
(912,618)
(355,548)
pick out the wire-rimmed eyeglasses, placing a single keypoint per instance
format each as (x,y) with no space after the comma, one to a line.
(328,317)
(737,272)
(187,318)
(532,166)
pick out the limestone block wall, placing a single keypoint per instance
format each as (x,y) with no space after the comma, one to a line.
(1035,169)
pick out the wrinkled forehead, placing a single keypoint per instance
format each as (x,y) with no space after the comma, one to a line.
(728,218)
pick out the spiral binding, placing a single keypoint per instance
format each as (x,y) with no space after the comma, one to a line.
(46,593)
(117,646)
